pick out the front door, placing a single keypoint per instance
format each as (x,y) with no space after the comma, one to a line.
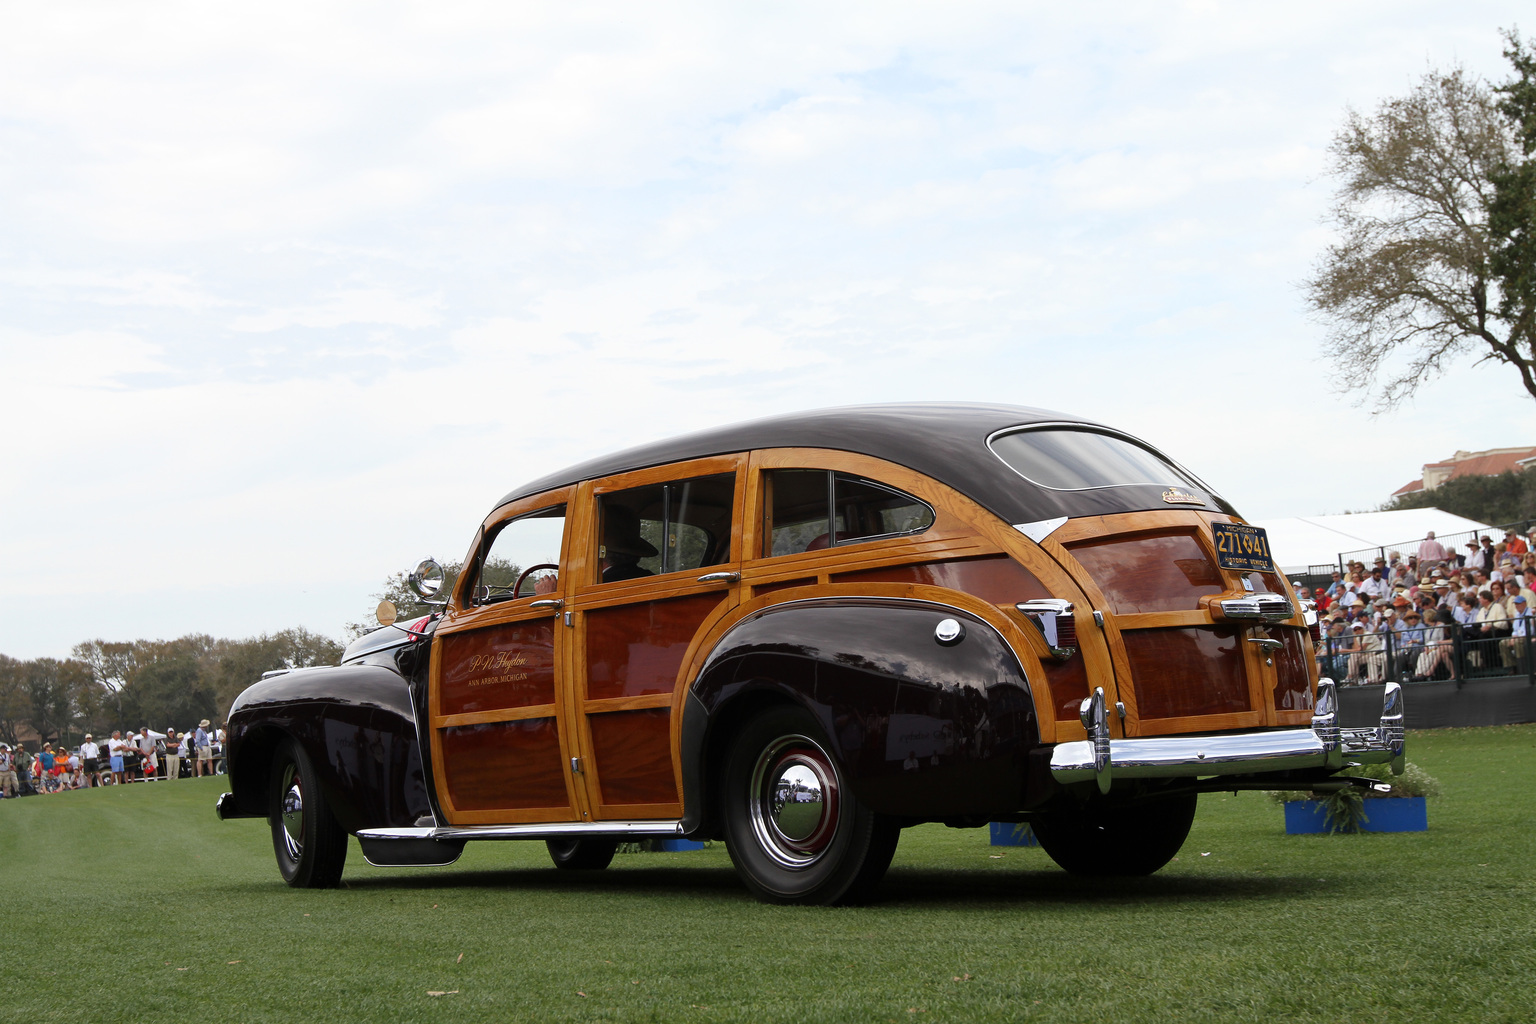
(501,749)
(665,561)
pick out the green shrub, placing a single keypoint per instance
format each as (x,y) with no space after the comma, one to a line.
(1346,808)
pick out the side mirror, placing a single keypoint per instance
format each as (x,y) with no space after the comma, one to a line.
(426,580)
(387,613)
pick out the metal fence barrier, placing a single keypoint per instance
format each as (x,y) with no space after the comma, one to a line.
(1426,654)
(1453,542)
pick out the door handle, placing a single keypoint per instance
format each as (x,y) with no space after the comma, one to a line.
(720,577)
(1268,643)
(552,603)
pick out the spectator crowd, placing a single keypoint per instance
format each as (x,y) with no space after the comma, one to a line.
(1411,618)
(147,756)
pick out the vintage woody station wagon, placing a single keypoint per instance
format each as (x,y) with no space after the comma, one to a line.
(802,634)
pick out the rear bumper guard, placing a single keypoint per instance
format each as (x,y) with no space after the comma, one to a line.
(1325,745)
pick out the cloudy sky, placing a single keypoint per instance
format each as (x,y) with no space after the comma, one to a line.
(290,294)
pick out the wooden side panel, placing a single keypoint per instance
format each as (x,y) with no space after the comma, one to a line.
(512,666)
(1293,669)
(1157,572)
(636,649)
(768,588)
(996,579)
(634,753)
(505,764)
(1068,681)
(1182,673)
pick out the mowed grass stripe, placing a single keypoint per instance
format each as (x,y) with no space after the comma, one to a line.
(131,902)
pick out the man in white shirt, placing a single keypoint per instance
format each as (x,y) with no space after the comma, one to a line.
(90,753)
(146,745)
(116,747)
(1375,585)
(7,771)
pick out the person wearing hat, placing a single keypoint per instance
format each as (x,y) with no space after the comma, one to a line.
(1514,544)
(1353,650)
(1410,641)
(202,743)
(1511,589)
(1474,560)
(90,753)
(7,771)
(1437,647)
(623,547)
(1431,550)
(1513,650)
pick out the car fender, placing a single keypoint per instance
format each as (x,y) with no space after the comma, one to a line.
(357,726)
(923,727)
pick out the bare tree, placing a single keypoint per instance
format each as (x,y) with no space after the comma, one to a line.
(1418,278)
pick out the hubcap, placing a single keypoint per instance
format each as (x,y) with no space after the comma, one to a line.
(293,812)
(794,801)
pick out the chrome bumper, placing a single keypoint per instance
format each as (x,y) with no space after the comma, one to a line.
(226,808)
(1324,745)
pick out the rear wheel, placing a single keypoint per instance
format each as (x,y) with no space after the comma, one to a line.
(1104,837)
(310,844)
(581,854)
(794,829)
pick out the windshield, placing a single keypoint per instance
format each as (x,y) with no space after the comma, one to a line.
(1073,460)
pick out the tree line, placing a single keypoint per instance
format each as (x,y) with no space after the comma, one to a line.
(106,685)
(1508,497)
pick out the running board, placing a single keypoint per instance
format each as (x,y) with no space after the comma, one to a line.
(532,830)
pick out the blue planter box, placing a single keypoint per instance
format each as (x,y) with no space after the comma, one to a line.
(1388,814)
(678,845)
(1006,833)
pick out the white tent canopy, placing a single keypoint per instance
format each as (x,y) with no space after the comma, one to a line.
(1303,541)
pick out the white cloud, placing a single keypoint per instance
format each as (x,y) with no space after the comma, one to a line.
(291,296)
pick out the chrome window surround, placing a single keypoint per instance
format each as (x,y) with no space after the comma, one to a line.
(1087,428)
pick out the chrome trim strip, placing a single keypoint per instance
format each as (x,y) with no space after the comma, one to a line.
(1042,529)
(1165,757)
(533,830)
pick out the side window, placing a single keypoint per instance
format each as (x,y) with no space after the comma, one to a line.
(810,509)
(675,526)
(526,548)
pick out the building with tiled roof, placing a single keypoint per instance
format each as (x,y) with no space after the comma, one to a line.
(1486,463)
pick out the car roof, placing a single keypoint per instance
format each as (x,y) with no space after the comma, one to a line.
(943,440)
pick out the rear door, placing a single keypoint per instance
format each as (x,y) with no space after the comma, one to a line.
(663,563)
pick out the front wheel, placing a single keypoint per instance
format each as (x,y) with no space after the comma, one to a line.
(310,844)
(794,829)
(1105,837)
(581,854)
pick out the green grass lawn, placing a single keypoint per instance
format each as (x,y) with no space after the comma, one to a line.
(136,904)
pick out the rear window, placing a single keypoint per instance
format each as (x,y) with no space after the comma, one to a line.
(1077,460)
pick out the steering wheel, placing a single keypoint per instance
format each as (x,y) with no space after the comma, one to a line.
(517,589)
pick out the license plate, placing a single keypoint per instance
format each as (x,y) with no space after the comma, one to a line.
(1244,548)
